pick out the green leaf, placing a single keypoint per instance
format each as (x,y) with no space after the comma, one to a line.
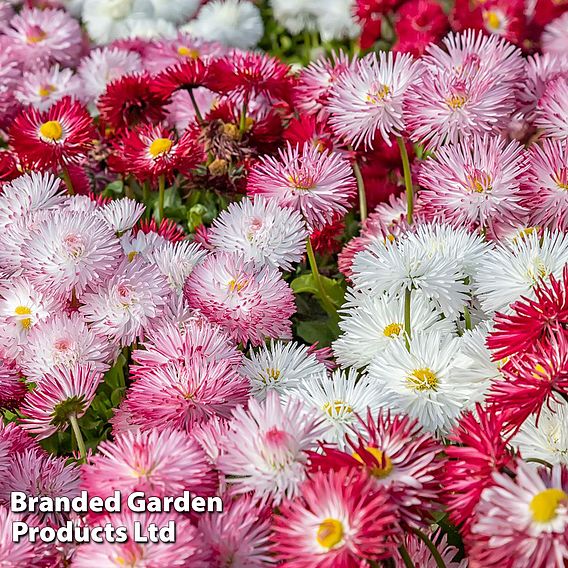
(316,331)
(335,289)
(113,188)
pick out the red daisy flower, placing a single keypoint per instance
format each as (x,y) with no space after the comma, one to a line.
(8,167)
(131,100)
(327,239)
(167,229)
(482,450)
(59,136)
(306,128)
(187,75)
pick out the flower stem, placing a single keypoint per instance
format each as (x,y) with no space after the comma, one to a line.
(198,114)
(407,327)
(325,300)
(467,317)
(67,179)
(243,124)
(78,436)
(146,196)
(431,546)
(407,180)
(361,189)
(161,196)
(405,556)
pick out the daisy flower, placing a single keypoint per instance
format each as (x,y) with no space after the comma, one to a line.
(43,87)
(128,303)
(261,231)
(70,251)
(61,395)
(178,12)
(182,396)
(422,556)
(60,136)
(336,21)
(265,449)
(423,382)
(240,536)
(545,438)
(39,37)
(62,342)
(104,65)
(121,214)
(552,110)
(367,100)
(546,187)
(370,323)
(523,521)
(251,304)
(474,183)
(508,273)
(159,462)
(318,184)
(12,388)
(295,16)
(338,521)
(553,38)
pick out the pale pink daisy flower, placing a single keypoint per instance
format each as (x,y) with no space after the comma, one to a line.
(188,549)
(554,38)
(318,184)
(475,183)
(125,306)
(141,243)
(181,112)
(123,420)
(546,187)
(121,214)
(265,451)
(41,88)
(421,555)
(61,342)
(6,14)
(45,36)
(104,65)
(71,251)
(251,304)
(62,394)
(368,100)
(160,462)
(10,76)
(551,114)
(181,396)
(208,434)
(240,537)
(522,522)
(40,475)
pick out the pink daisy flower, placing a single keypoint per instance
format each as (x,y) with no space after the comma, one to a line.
(62,342)
(10,76)
(475,183)
(12,388)
(59,136)
(60,395)
(546,188)
(187,550)
(554,38)
(70,251)
(318,184)
(552,110)
(38,37)
(422,556)
(128,303)
(182,396)
(240,536)
(339,521)
(159,462)
(367,100)
(250,303)
(265,451)
(522,521)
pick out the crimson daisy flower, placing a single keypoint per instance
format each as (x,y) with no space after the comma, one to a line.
(167,229)
(130,100)
(59,136)
(187,75)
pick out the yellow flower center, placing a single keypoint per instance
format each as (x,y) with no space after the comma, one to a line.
(330,533)
(35,35)
(456,101)
(24,311)
(302,181)
(379,94)
(337,407)
(51,130)
(422,380)
(160,146)
(187,52)
(544,505)
(493,20)
(393,329)
(238,286)
(383,466)
(131,255)
(46,90)
(479,182)
(561,179)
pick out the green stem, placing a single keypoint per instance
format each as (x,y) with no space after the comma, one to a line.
(198,114)
(407,326)
(243,124)
(326,302)
(68,182)
(431,546)
(407,180)
(161,196)
(146,196)
(405,556)
(539,461)
(78,436)
(361,190)
(467,317)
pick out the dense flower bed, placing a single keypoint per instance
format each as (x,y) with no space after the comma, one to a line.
(311,257)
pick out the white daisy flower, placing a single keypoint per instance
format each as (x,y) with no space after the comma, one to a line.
(425,382)
(147,28)
(141,243)
(296,15)
(281,367)
(339,399)
(370,323)
(262,232)
(336,21)
(547,437)
(121,214)
(178,11)
(511,271)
